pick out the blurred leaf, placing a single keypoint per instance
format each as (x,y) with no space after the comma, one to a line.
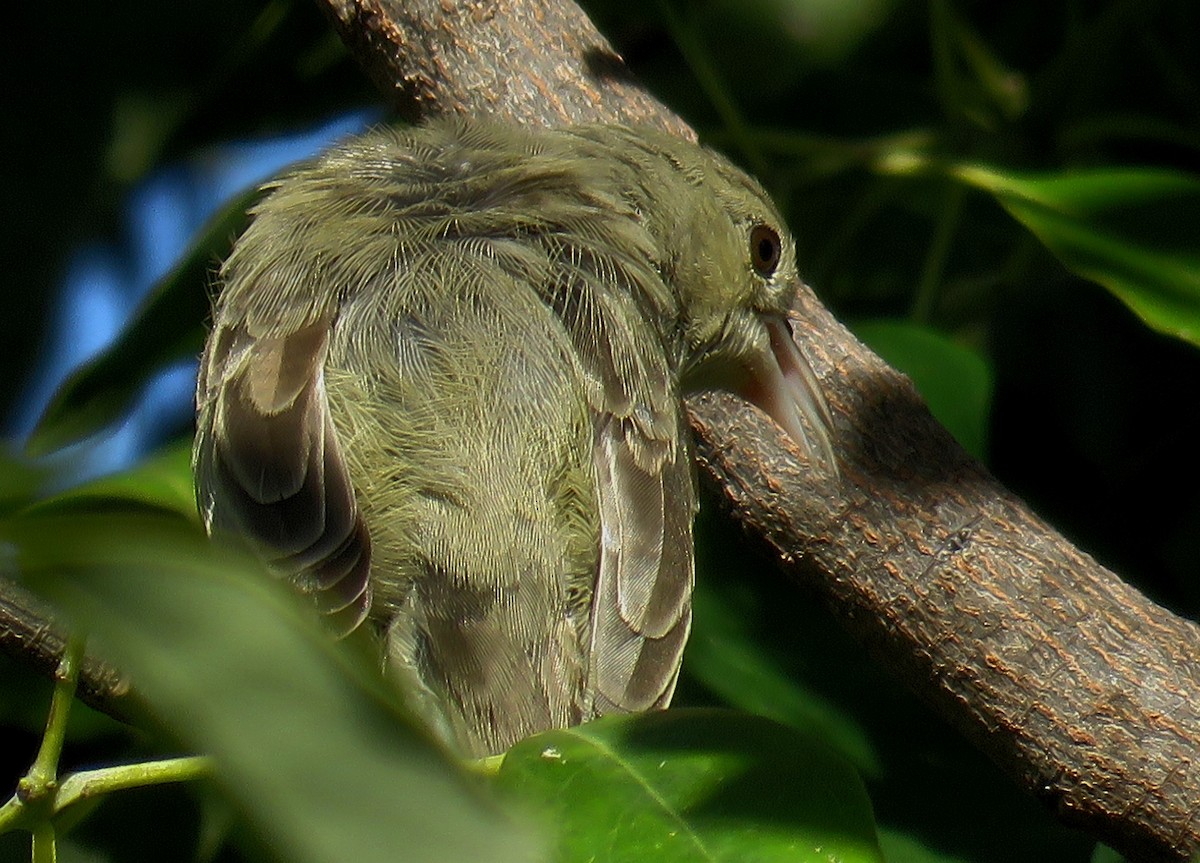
(166,329)
(693,785)
(163,481)
(72,852)
(955,381)
(19,482)
(1131,230)
(307,743)
(971,80)
(1104,854)
(765,46)
(901,847)
(733,664)
(1003,86)
(142,124)
(1093,131)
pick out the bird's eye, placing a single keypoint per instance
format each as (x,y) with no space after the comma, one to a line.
(765,249)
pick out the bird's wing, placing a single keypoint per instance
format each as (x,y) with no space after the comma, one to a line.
(642,607)
(268,467)
(641,610)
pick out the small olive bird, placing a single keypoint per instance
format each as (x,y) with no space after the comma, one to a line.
(443,394)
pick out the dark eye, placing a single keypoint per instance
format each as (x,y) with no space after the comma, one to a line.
(765,249)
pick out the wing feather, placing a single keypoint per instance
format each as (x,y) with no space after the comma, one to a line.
(268,465)
(642,596)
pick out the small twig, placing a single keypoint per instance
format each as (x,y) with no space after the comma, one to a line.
(42,778)
(45,844)
(41,795)
(90,784)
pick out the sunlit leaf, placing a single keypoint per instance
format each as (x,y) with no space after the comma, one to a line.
(1131,230)
(954,380)
(306,741)
(693,785)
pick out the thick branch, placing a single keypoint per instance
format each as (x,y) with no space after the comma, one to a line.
(541,62)
(1083,690)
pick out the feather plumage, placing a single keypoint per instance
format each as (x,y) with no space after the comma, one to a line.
(444,389)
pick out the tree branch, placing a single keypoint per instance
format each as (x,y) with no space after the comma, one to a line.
(1083,690)
(28,633)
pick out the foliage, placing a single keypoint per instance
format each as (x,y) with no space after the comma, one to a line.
(1001,199)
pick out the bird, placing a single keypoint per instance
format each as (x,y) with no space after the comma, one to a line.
(442,395)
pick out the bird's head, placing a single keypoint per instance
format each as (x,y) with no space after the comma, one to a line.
(733,266)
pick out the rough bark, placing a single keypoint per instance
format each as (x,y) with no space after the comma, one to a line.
(1083,690)
(540,62)
(28,632)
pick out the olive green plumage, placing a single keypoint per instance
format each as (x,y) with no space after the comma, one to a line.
(443,393)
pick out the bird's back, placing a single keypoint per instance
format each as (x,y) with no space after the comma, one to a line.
(470,449)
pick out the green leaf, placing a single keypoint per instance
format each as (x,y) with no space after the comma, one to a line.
(693,785)
(1131,230)
(955,381)
(163,482)
(1104,854)
(168,328)
(19,481)
(307,742)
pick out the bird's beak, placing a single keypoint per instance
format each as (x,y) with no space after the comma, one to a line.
(784,385)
